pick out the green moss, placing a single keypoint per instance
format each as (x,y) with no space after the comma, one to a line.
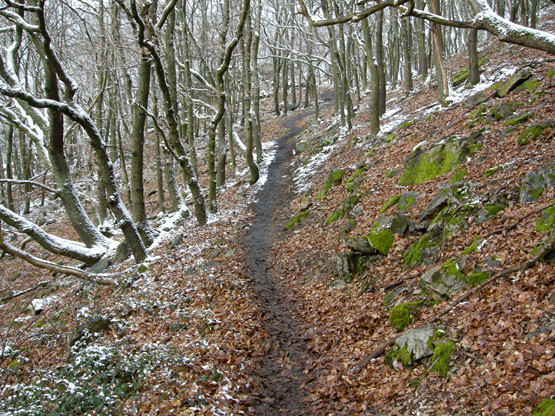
(473,246)
(442,356)
(551,73)
(334,179)
(493,210)
(457,176)
(401,315)
(460,77)
(519,119)
(495,86)
(546,221)
(382,241)
(354,178)
(295,219)
(351,225)
(545,408)
(406,125)
(474,148)
(531,133)
(477,277)
(414,255)
(389,138)
(390,173)
(406,203)
(390,203)
(400,354)
(334,216)
(478,113)
(428,167)
(349,202)
(489,172)
(531,85)
(451,268)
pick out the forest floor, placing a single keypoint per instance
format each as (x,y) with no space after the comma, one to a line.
(248,316)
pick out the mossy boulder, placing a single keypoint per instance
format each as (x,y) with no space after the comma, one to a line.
(382,240)
(546,221)
(361,244)
(475,100)
(334,179)
(421,252)
(518,119)
(418,342)
(407,200)
(447,195)
(390,203)
(504,110)
(520,77)
(533,132)
(351,264)
(536,182)
(401,315)
(441,357)
(422,165)
(440,282)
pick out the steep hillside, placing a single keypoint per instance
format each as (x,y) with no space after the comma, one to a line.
(283,302)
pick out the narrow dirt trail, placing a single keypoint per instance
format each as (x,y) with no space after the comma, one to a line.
(281,371)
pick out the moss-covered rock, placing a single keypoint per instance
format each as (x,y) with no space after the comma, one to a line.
(401,315)
(533,132)
(457,176)
(442,356)
(536,182)
(546,221)
(519,119)
(473,246)
(381,240)
(504,110)
(390,203)
(417,341)
(517,79)
(349,265)
(295,219)
(334,216)
(334,179)
(407,200)
(401,355)
(361,244)
(441,281)
(476,277)
(349,202)
(422,165)
(545,408)
(420,252)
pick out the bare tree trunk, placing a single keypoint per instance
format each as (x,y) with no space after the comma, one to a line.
(473,67)
(374,79)
(381,63)
(406,52)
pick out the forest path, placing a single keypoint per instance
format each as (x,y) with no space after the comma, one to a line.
(281,372)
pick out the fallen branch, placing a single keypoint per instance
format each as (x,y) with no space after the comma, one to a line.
(23,292)
(547,246)
(515,224)
(99,279)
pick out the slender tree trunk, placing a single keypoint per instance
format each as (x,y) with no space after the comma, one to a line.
(374,79)
(9,171)
(406,52)
(441,72)
(381,63)
(473,67)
